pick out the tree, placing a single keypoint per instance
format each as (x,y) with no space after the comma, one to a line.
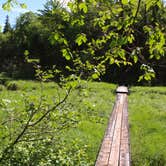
(7,27)
(96,36)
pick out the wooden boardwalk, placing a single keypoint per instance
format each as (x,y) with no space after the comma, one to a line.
(115,150)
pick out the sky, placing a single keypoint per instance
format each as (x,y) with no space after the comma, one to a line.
(32,5)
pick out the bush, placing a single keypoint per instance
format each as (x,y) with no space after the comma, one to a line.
(3,78)
(12,86)
(2,87)
(49,153)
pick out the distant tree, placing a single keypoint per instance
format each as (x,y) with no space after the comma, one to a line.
(7,27)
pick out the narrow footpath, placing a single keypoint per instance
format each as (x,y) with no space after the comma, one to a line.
(115,148)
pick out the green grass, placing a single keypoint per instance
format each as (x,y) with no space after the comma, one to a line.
(93,103)
(147,116)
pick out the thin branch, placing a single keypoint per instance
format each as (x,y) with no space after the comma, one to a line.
(8,148)
(31,140)
(50,110)
(27,125)
(138,7)
(11,119)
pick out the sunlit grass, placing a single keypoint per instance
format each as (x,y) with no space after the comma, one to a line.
(93,103)
(147,115)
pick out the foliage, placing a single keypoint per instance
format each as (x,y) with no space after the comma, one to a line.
(69,135)
(97,39)
(2,87)
(116,40)
(11,85)
(9,4)
(29,126)
(4,78)
(7,27)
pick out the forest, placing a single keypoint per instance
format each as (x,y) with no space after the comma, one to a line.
(112,41)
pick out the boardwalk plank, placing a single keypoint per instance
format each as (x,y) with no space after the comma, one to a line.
(115,150)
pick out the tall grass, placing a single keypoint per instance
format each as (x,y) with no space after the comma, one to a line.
(147,116)
(93,103)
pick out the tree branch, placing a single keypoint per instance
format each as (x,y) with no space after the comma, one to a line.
(8,148)
(27,125)
(50,110)
(138,7)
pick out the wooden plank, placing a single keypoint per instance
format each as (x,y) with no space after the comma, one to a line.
(124,149)
(105,149)
(114,149)
(122,89)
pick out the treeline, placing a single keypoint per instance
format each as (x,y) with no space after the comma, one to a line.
(115,41)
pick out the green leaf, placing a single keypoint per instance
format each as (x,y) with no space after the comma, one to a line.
(66,54)
(140,78)
(68,68)
(112,60)
(147,77)
(72,6)
(135,57)
(159,4)
(65,42)
(124,2)
(26,52)
(121,54)
(33,60)
(125,63)
(95,76)
(6,6)
(146,29)
(81,38)
(83,7)
(56,36)
(130,38)
(117,63)
(77,22)
(23,5)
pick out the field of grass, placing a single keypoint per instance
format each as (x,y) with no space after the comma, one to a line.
(147,116)
(92,104)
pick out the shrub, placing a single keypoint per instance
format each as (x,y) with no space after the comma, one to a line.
(2,87)
(3,78)
(12,86)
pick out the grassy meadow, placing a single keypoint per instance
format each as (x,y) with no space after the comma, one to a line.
(91,104)
(147,117)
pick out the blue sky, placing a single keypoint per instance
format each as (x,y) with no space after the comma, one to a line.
(32,5)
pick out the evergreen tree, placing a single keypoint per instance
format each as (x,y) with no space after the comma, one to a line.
(7,27)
